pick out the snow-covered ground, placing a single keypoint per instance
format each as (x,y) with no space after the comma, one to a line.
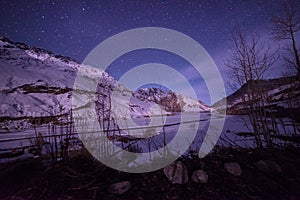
(153,138)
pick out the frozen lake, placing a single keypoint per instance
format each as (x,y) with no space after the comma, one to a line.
(148,134)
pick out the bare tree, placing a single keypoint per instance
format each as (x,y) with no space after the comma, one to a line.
(284,27)
(248,62)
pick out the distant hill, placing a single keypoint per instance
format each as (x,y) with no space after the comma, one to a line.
(282,98)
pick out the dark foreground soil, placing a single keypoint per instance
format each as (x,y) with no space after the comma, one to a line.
(82,177)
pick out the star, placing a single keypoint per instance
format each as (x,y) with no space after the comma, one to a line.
(74,28)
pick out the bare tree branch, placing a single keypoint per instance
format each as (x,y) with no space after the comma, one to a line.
(285,26)
(248,62)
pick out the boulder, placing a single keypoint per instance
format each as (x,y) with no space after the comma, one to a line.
(120,187)
(199,176)
(233,168)
(176,173)
(268,166)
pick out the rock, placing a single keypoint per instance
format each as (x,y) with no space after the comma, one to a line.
(176,173)
(120,187)
(268,166)
(233,168)
(200,176)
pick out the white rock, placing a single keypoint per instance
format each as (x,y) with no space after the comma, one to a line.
(233,168)
(176,173)
(120,187)
(199,176)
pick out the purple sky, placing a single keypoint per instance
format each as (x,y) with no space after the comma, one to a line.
(74,28)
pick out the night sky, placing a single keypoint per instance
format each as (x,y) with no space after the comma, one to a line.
(74,28)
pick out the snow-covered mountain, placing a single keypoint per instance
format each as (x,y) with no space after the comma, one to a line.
(37,83)
(171,101)
(281,97)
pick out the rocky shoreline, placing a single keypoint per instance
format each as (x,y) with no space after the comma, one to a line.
(224,174)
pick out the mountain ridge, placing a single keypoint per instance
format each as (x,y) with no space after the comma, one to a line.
(282,97)
(38,83)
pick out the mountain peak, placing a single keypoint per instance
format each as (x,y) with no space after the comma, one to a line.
(36,82)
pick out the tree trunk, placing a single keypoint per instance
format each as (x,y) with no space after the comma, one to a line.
(296,55)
